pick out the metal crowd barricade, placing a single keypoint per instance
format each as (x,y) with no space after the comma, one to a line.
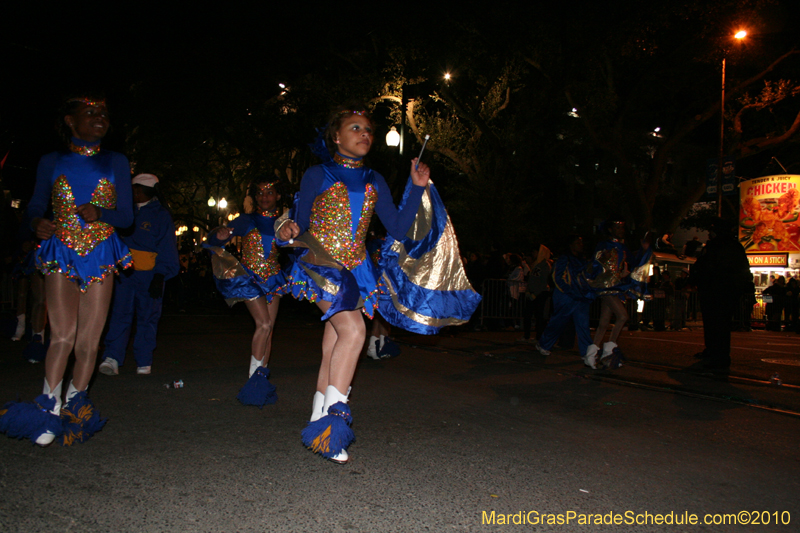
(497,303)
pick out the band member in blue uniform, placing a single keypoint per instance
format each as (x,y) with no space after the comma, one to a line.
(140,290)
(261,284)
(90,191)
(572,298)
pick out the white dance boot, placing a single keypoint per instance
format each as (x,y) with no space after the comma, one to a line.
(20,331)
(254,364)
(608,348)
(47,438)
(590,359)
(71,391)
(316,407)
(332,396)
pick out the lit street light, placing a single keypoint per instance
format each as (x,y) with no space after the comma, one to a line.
(739,36)
(393,138)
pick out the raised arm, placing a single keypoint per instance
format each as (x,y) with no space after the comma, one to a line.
(398,221)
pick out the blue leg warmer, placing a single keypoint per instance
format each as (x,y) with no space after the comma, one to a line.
(36,350)
(258,390)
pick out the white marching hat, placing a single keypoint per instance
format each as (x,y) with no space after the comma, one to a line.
(148,180)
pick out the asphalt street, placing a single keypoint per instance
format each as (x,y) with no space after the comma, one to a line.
(465,431)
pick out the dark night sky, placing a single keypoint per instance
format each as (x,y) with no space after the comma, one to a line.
(49,52)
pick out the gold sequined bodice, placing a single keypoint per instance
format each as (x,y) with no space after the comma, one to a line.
(82,239)
(253,255)
(330,223)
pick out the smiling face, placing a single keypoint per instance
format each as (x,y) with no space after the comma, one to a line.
(354,137)
(617,230)
(89,122)
(266,196)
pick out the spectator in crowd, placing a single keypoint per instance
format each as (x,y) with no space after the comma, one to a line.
(679,301)
(662,297)
(691,248)
(774,309)
(722,277)
(537,294)
(792,289)
(516,276)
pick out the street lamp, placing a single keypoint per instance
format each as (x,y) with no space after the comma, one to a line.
(393,138)
(741,34)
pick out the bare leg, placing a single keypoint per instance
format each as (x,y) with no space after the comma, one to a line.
(272,307)
(92,315)
(260,313)
(328,341)
(605,319)
(380,327)
(63,298)
(341,345)
(620,316)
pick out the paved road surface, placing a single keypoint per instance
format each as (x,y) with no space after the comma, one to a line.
(455,429)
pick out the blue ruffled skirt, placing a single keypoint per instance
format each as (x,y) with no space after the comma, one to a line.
(344,288)
(252,286)
(108,257)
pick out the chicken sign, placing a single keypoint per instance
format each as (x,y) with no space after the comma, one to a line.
(768,215)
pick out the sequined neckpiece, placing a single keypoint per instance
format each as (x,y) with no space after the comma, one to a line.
(87,150)
(347,162)
(269,213)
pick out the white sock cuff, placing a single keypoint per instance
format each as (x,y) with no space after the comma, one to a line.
(332,396)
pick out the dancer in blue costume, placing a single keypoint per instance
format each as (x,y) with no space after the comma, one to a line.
(617,275)
(90,190)
(262,281)
(334,208)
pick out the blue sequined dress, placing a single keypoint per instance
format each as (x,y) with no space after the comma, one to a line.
(335,206)
(419,283)
(259,259)
(85,252)
(611,259)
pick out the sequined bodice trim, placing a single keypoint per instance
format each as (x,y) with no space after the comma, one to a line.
(331,224)
(254,258)
(82,239)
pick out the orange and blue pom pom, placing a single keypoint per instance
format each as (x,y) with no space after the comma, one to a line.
(80,420)
(331,434)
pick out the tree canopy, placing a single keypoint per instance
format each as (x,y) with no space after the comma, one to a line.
(553,117)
